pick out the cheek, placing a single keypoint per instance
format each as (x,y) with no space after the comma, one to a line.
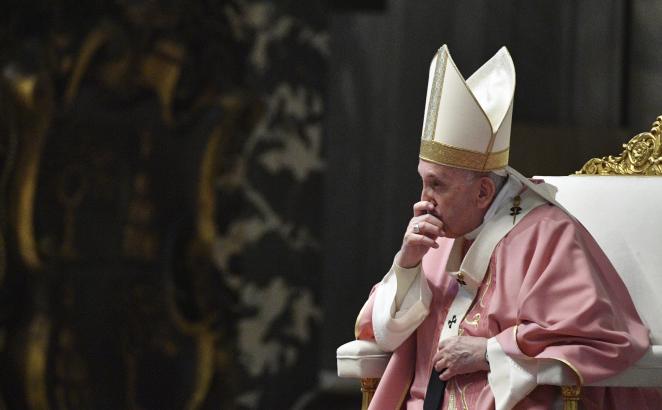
(442,208)
(445,200)
(450,210)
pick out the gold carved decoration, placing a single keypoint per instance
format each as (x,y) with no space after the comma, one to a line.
(368,387)
(33,94)
(53,368)
(36,393)
(8,146)
(161,70)
(571,396)
(139,241)
(92,43)
(642,156)
(158,69)
(205,233)
(70,193)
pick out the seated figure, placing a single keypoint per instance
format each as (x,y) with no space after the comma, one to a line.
(495,280)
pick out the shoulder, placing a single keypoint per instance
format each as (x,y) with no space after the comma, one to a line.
(545,214)
(545,221)
(547,242)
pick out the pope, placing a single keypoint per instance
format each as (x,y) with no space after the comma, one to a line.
(495,283)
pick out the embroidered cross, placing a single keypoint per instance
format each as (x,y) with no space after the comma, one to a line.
(460,279)
(452,321)
(515,210)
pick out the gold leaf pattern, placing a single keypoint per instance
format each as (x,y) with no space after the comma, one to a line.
(642,155)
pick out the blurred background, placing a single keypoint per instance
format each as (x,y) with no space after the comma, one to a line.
(197,195)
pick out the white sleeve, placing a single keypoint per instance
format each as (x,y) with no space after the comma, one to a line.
(513,379)
(404,277)
(510,380)
(402,302)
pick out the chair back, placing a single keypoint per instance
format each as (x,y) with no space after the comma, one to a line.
(624,215)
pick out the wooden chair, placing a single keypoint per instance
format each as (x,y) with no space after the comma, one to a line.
(622,212)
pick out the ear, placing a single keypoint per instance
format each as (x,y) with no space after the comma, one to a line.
(486,192)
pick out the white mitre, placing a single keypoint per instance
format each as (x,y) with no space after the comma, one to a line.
(467,123)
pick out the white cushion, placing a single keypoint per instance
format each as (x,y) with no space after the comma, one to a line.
(647,372)
(361,359)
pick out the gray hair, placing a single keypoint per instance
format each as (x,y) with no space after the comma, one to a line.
(474,175)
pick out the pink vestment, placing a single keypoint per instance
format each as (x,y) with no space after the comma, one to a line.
(550,292)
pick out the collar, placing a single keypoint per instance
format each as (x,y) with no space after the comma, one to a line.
(470,269)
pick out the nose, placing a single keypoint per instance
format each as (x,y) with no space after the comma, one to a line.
(426,195)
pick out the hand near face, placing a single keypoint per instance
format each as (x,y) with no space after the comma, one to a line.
(460,355)
(416,244)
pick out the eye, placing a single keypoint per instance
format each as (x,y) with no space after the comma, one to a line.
(434,184)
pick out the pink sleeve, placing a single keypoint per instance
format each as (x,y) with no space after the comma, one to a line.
(572,305)
(363,327)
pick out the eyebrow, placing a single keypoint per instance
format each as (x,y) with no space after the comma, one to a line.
(435,178)
(431,174)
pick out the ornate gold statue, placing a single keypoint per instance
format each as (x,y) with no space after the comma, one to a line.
(642,156)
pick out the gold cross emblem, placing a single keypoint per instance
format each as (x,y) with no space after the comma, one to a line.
(460,279)
(516,209)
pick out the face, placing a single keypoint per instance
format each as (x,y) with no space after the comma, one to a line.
(460,198)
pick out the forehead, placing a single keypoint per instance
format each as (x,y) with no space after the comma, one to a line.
(428,169)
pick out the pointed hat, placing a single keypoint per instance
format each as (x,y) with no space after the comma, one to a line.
(467,123)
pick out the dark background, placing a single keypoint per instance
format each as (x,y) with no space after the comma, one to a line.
(197,196)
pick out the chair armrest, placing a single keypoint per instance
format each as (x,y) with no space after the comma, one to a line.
(364,359)
(361,359)
(647,372)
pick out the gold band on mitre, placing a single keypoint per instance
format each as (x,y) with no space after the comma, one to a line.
(443,154)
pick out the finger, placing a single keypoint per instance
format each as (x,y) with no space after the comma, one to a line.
(447,374)
(437,356)
(439,361)
(413,239)
(432,220)
(426,228)
(440,364)
(423,207)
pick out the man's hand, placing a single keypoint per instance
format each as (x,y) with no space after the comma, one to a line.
(415,245)
(460,355)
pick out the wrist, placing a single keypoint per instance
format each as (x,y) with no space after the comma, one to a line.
(404,262)
(486,358)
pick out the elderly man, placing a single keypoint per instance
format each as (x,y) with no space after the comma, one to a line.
(494,280)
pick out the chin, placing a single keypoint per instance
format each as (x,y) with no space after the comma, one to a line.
(449,235)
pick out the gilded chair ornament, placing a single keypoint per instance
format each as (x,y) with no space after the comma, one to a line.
(642,156)
(368,388)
